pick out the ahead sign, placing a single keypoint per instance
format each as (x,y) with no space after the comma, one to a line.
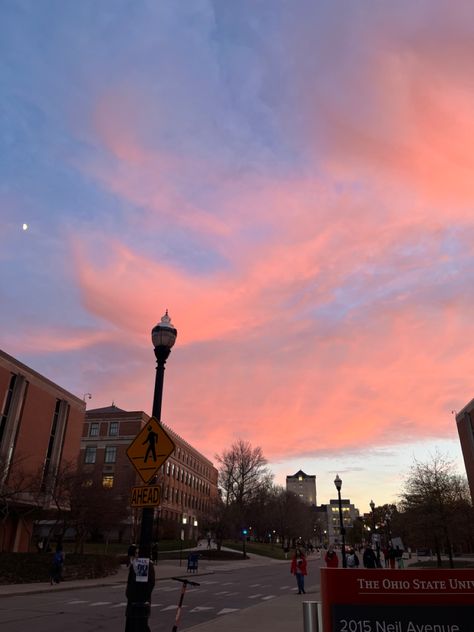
(149,496)
(150,449)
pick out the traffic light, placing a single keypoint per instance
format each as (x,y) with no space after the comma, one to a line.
(245,531)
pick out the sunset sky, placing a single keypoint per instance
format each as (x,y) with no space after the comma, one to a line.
(292,180)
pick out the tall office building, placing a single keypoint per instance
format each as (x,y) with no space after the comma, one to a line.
(465,424)
(303,485)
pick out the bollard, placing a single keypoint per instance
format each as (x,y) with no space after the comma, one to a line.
(312,616)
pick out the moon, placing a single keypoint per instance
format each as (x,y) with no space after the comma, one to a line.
(25,226)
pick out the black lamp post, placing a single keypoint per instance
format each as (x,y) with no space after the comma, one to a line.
(184,522)
(389,532)
(163,337)
(338,484)
(374,529)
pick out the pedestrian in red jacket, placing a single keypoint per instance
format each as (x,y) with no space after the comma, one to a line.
(331,557)
(299,569)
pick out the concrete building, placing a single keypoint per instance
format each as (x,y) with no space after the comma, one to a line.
(303,485)
(40,431)
(349,514)
(465,424)
(188,479)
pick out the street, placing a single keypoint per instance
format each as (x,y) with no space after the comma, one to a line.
(103,608)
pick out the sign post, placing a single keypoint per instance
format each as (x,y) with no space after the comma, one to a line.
(149,450)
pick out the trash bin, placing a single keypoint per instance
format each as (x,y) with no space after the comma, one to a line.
(311,616)
(193,563)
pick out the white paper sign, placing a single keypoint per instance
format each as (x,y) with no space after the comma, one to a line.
(140,566)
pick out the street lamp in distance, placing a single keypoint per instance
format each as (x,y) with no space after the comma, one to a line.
(375,535)
(338,484)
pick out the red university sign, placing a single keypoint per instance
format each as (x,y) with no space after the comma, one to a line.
(384,600)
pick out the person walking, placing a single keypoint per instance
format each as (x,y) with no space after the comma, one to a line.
(391,556)
(331,558)
(57,566)
(299,569)
(369,558)
(399,557)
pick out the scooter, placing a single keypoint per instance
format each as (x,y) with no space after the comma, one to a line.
(186,583)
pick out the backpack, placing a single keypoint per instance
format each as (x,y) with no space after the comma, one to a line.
(58,558)
(352,560)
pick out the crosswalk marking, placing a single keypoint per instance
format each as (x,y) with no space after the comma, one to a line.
(285,587)
(227,610)
(170,588)
(255,596)
(254,585)
(202,608)
(117,605)
(100,603)
(169,608)
(77,601)
(268,597)
(222,592)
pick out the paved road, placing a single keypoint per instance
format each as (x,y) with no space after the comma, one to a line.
(102,609)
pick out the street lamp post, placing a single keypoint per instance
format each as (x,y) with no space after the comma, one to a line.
(163,337)
(338,484)
(374,529)
(184,521)
(389,532)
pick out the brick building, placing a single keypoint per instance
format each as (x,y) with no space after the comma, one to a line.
(465,424)
(40,431)
(188,479)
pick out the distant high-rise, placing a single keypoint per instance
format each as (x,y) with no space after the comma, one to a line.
(465,424)
(303,485)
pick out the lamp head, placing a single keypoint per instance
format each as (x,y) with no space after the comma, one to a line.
(164,334)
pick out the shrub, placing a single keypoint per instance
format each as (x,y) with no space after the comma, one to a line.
(23,568)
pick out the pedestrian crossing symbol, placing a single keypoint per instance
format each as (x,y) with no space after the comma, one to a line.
(150,449)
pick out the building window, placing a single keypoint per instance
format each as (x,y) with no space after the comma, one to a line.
(110,454)
(113,428)
(94,430)
(6,407)
(90,455)
(107,481)
(52,436)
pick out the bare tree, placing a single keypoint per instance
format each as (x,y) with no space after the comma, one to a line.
(430,500)
(242,472)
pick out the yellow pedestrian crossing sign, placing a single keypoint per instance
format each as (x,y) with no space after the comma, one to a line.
(150,449)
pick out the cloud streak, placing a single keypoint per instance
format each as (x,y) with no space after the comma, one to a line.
(294,186)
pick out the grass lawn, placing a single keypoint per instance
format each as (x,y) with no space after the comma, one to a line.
(258,548)
(114,548)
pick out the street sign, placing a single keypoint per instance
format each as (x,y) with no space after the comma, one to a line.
(149,496)
(150,449)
